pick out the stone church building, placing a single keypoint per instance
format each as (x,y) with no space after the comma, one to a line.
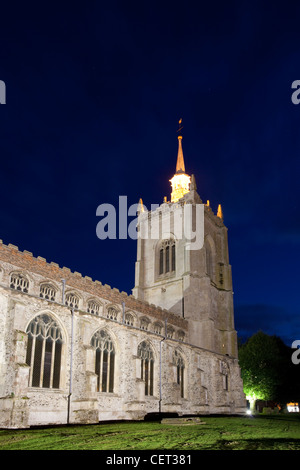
(74,350)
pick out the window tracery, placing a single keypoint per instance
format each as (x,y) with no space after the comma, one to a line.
(44,350)
(47,291)
(170,332)
(93,307)
(157,328)
(72,300)
(129,320)
(144,323)
(112,313)
(167,257)
(19,282)
(146,356)
(104,361)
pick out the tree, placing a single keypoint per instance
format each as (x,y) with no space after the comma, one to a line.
(262,364)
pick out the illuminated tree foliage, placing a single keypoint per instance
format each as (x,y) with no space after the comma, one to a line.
(262,364)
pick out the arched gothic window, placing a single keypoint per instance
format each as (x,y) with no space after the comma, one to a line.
(47,292)
(93,307)
(170,332)
(157,328)
(105,361)
(44,350)
(112,313)
(179,363)
(19,282)
(72,300)
(129,320)
(145,353)
(144,323)
(167,257)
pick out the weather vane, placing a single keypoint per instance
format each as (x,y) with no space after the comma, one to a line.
(180,127)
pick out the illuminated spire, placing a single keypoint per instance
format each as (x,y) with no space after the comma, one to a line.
(180,181)
(180,168)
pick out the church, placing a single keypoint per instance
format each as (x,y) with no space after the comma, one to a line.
(76,351)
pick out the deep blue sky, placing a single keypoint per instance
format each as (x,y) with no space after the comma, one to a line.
(94,94)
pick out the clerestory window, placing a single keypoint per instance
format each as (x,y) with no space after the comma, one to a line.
(19,282)
(112,313)
(47,292)
(170,332)
(129,320)
(72,300)
(93,307)
(144,323)
(157,328)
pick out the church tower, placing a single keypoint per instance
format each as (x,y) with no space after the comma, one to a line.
(192,280)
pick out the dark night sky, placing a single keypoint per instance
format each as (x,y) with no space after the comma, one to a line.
(94,94)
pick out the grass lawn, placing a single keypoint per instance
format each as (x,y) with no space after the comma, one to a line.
(277,432)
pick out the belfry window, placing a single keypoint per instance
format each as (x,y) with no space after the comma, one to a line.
(167,260)
(145,353)
(44,349)
(161,261)
(173,256)
(105,361)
